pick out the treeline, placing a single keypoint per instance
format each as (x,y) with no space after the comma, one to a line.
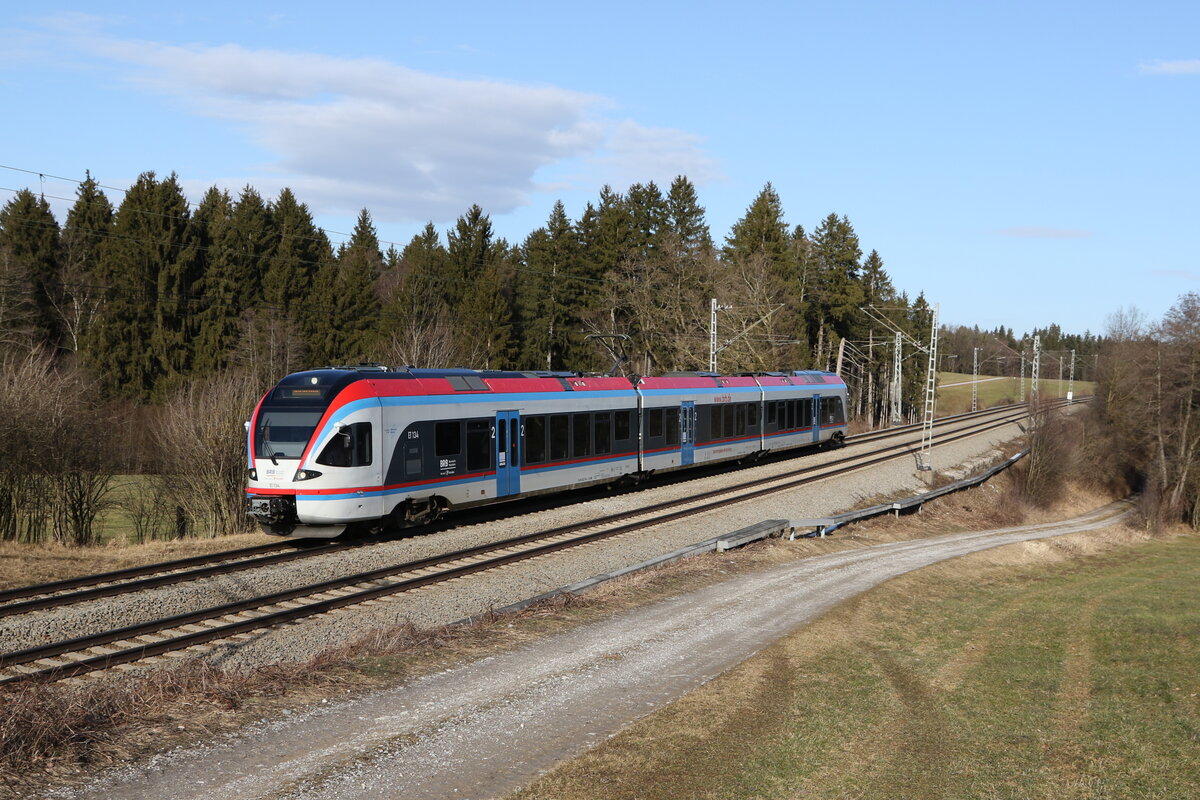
(137,315)
(1000,351)
(151,293)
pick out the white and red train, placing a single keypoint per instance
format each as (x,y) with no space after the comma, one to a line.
(330,448)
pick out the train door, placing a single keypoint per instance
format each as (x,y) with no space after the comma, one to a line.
(816,418)
(687,432)
(508,456)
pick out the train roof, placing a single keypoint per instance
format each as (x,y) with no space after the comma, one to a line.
(323,384)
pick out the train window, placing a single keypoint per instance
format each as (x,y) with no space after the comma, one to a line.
(740,426)
(791,413)
(560,438)
(831,411)
(621,426)
(752,415)
(349,447)
(535,440)
(728,423)
(770,412)
(479,445)
(806,412)
(654,423)
(448,438)
(671,425)
(581,435)
(604,432)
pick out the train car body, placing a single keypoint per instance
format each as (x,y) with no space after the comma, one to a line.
(336,447)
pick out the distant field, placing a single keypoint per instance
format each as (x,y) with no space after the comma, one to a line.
(953,399)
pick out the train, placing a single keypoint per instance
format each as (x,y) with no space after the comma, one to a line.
(369,446)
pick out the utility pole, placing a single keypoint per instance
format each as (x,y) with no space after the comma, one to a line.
(923,462)
(1022,375)
(712,334)
(1071,381)
(974,378)
(897,412)
(1033,376)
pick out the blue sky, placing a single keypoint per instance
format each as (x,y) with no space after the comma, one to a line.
(1021,163)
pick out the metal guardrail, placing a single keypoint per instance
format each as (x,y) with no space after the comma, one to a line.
(763,530)
(823,526)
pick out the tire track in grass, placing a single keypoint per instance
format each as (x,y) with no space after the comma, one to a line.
(924,747)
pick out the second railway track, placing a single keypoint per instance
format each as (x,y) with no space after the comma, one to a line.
(179,632)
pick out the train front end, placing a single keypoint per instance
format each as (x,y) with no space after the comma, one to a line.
(312,468)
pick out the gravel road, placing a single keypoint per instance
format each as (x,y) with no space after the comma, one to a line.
(488,727)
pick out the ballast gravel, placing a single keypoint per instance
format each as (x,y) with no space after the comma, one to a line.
(489,727)
(454,600)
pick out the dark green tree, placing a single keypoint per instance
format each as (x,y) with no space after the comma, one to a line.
(353,305)
(550,292)
(88,226)
(29,251)
(237,258)
(148,240)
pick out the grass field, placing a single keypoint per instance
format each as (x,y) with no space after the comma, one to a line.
(954,391)
(993,676)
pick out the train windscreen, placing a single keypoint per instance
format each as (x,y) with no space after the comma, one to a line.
(284,432)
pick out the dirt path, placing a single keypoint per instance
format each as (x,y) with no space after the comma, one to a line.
(488,727)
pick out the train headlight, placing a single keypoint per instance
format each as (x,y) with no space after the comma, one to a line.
(307,474)
(252,473)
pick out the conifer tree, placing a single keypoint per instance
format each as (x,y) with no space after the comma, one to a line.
(237,256)
(352,304)
(685,220)
(88,226)
(837,292)
(29,249)
(148,238)
(416,325)
(549,296)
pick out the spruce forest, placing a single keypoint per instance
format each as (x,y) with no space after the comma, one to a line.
(139,334)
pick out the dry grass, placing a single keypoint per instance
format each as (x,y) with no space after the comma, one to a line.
(22,565)
(62,733)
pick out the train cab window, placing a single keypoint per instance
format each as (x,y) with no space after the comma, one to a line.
(671,425)
(560,438)
(581,435)
(535,440)
(831,411)
(621,425)
(479,445)
(349,447)
(654,423)
(447,438)
(741,420)
(604,433)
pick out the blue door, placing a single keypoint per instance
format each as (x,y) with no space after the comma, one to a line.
(816,419)
(687,432)
(508,453)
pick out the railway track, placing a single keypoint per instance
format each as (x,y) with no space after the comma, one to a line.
(38,597)
(174,635)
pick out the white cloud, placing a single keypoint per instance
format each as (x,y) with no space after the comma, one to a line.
(409,145)
(1181,67)
(1037,232)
